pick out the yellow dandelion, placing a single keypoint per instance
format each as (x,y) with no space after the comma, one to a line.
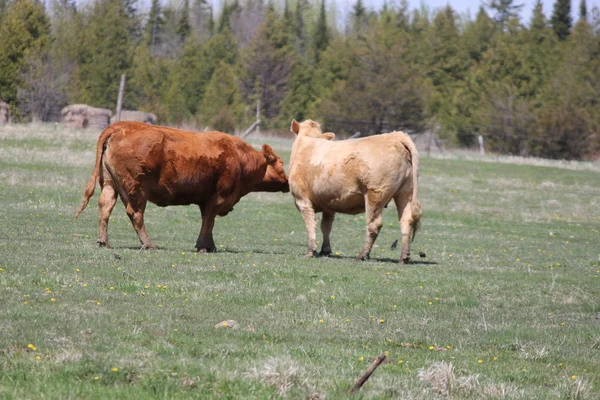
(38,358)
(98,302)
(85,285)
(495,358)
(573,376)
(31,346)
(320,321)
(480,361)
(96,378)
(146,287)
(25,302)
(115,369)
(381,321)
(429,302)
(347,319)
(77,270)
(387,353)
(332,297)
(431,347)
(361,358)
(52,299)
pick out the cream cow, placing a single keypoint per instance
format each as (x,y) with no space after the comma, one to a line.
(351,177)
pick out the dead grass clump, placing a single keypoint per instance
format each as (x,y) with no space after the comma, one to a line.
(579,389)
(282,374)
(441,378)
(503,391)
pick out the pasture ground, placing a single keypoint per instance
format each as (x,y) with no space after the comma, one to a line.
(506,303)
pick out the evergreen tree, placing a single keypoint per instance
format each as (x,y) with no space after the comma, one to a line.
(504,10)
(582,10)
(266,65)
(300,28)
(568,121)
(202,19)
(67,23)
(358,18)
(104,53)
(561,19)
(222,106)
(154,24)
(478,35)
(321,36)
(183,24)
(25,31)
(382,90)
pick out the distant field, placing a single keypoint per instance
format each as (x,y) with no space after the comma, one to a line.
(506,303)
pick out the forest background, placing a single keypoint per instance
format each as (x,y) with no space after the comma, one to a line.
(530,88)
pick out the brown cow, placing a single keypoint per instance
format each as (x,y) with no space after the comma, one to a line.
(351,177)
(166,166)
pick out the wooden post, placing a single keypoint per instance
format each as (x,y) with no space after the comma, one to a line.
(481,149)
(120,99)
(363,378)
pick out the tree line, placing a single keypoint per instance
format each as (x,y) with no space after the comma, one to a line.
(528,87)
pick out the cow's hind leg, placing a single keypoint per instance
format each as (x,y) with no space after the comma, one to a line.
(108,199)
(310,221)
(405,218)
(373,210)
(326,225)
(205,242)
(135,207)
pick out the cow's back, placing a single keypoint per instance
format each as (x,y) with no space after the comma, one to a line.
(335,175)
(173,167)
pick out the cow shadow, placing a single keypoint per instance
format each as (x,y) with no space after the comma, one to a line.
(378,259)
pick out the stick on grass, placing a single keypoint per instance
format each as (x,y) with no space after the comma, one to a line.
(363,378)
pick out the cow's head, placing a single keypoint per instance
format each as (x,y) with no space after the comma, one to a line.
(311,129)
(275,179)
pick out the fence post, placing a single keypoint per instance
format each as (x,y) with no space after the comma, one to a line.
(120,99)
(481,149)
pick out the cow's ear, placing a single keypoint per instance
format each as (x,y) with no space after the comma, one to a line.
(329,135)
(269,153)
(295,127)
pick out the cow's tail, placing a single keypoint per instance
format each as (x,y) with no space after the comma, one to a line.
(91,185)
(415,205)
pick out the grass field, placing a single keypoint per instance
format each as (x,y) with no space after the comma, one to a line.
(506,303)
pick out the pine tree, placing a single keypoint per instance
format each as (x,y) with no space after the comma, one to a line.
(582,10)
(25,31)
(104,53)
(222,106)
(561,19)
(267,63)
(358,17)
(183,25)
(504,10)
(154,24)
(321,36)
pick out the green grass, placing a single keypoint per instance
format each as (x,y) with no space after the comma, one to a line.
(508,292)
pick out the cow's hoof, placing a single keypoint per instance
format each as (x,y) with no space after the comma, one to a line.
(325,253)
(311,254)
(361,258)
(102,243)
(405,260)
(147,247)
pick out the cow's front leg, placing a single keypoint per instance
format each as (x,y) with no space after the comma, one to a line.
(205,242)
(308,214)
(373,212)
(326,225)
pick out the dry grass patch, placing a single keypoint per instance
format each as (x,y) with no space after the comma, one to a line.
(282,374)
